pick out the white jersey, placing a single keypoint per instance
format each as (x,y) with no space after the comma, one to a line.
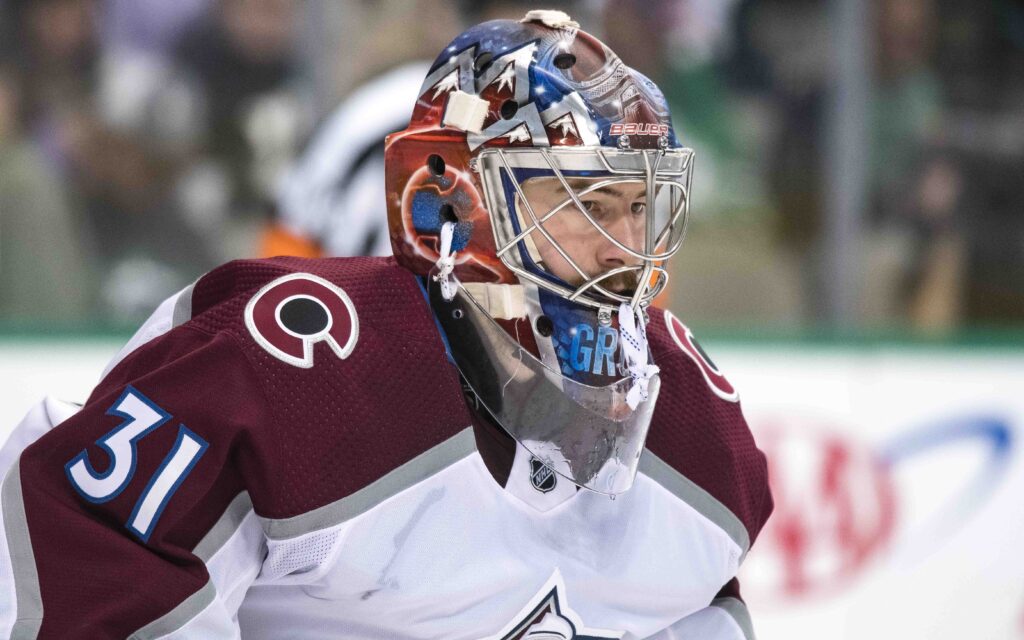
(456,555)
(222,481)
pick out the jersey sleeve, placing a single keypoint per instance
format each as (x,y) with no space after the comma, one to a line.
(132,517)
(725,618)
(43,416)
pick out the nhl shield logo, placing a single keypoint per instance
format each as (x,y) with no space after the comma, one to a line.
(542,477)
(547,616)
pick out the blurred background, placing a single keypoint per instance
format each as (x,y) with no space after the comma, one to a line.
(855,260)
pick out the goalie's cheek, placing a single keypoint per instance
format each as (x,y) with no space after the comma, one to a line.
(629,229)
(554,262)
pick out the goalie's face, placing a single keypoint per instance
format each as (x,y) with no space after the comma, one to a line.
(592,225)
(620,208)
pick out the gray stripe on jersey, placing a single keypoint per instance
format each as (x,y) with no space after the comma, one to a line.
(225,527)
(689,492)
(215,538)
(738,610)
(172,312)
(177,617)
(416,470)
(23,562)
(183,307)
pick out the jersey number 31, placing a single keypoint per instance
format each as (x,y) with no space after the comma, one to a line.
(141,418)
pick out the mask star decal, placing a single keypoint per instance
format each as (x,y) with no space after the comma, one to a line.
(519,134)
(507,79)
(447,83)
(565,124)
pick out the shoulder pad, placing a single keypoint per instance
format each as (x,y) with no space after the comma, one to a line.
(287,305)
(349,360)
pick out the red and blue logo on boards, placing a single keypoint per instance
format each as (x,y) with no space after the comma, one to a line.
(841,501)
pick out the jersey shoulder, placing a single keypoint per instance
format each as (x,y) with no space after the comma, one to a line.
(286,306)
(377,287)
(698,428)
(330,345)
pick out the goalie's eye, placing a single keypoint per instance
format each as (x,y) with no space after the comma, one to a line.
(638,208)
(598,210)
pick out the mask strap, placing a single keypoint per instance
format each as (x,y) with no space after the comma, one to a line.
(446,262)
(633,338)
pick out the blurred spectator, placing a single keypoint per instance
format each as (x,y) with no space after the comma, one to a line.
(45,266)
(916,184)
(171,141)
(243,68)
(151,26)
(981,62)
(118,183)
(54,45)
(781,58)
(915,254)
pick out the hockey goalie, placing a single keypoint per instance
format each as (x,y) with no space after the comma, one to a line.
(491,435)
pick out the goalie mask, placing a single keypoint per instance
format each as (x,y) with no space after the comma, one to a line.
(540,190)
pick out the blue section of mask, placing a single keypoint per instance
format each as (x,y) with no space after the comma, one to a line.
(587,352)
(549,84)
(426,218)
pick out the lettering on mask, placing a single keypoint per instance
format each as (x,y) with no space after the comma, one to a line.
(638,129)
(594,352)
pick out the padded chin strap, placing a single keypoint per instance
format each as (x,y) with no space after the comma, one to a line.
(633,338)
(501,301)
(446,262)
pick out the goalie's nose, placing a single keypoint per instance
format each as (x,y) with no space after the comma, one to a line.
(629,232)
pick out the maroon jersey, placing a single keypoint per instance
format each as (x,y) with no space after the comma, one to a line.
(288,452)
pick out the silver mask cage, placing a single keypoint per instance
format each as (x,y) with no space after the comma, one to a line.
(587,434)
(667,173)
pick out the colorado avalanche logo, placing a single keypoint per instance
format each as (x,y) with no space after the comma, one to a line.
(684,338)
(548,617)
(292,313)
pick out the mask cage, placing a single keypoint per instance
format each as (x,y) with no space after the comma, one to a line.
(667,173)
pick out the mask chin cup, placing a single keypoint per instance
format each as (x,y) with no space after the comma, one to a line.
(588,435)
